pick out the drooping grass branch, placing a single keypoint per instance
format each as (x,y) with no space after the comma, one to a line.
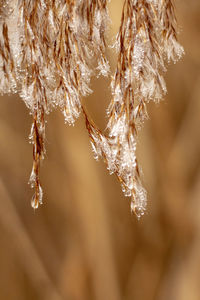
(54,50)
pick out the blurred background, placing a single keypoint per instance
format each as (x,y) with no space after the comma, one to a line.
(83,243)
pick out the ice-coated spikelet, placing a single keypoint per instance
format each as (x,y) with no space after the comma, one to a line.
(47,74)
(37,137)
(119,153)
(58,43)
(134,83)
(49,55)
(60,39)
(166,14)
(92,22)
(7,64)
(146,37)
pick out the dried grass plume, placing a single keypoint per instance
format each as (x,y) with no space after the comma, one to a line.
(49,50)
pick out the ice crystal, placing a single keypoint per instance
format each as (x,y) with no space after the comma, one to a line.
(50,49)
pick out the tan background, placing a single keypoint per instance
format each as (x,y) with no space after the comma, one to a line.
(83,243)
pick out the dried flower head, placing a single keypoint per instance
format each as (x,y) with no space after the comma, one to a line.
(49,50)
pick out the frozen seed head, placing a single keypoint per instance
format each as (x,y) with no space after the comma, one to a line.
(49,50)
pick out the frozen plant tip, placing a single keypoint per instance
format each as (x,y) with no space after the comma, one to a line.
(49,50)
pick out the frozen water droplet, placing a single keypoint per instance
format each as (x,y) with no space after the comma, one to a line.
(137,210)
(34,203)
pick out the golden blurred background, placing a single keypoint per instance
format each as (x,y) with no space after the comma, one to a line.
(83,243)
